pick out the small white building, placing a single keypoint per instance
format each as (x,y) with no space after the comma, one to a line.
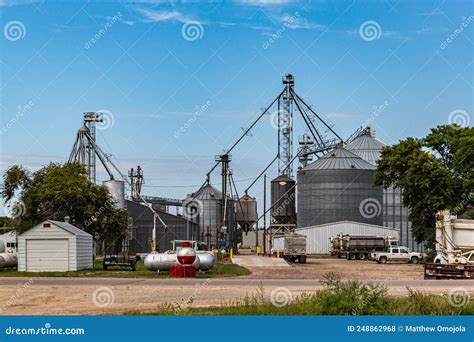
(317,237)
(8,241)
(54,246)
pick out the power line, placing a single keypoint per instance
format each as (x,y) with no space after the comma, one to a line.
(193,185)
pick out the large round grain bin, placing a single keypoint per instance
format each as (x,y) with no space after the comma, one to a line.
(283,200)
(117,190)
(338,187)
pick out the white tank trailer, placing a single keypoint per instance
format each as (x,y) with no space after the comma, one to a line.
(162,261)
(117,190)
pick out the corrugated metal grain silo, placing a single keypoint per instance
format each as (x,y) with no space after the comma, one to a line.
(208,215)
(338,187)
(395,214)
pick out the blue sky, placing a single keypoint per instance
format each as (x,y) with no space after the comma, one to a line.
(136,61)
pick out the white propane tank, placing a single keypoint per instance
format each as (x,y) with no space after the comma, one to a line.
(206,260)
(162,261)
(8,259)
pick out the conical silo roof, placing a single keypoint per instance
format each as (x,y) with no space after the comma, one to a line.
(339,159)
(367,147)
(207,192)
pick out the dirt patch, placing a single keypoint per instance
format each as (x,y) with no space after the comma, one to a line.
(316,268)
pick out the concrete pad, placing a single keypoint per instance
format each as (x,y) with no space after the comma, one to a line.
(258,261)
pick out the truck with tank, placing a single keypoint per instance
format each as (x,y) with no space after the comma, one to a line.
(353,247)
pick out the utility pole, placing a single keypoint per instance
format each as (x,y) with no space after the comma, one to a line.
(224,159)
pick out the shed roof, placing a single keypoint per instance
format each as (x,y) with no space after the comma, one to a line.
(345,222)
(69,227)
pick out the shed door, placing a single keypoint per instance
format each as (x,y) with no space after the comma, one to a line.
(47,255)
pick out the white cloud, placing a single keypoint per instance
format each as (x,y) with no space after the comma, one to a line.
(295,22)
(262,2)
(32,163)
(152,16)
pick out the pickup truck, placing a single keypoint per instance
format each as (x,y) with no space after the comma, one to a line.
(397,254)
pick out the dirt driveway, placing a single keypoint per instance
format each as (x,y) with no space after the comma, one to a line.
(316,268)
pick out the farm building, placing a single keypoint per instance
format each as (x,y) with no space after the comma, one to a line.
(318,236)
(142,227)
(54,246)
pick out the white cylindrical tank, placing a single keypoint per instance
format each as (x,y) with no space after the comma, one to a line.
(206,260)
(163,261)
(117,190)
(8,259)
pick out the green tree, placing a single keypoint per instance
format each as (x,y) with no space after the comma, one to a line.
(434,173)
(59,190)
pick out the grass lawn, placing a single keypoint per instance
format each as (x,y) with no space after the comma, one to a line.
(438,305)
(349,297)
(222,269)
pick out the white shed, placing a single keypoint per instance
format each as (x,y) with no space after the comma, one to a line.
(54,246)
(317,237)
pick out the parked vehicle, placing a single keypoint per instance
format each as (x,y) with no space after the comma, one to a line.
(454,247)
(291,246)
(354,247)
(396,254)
